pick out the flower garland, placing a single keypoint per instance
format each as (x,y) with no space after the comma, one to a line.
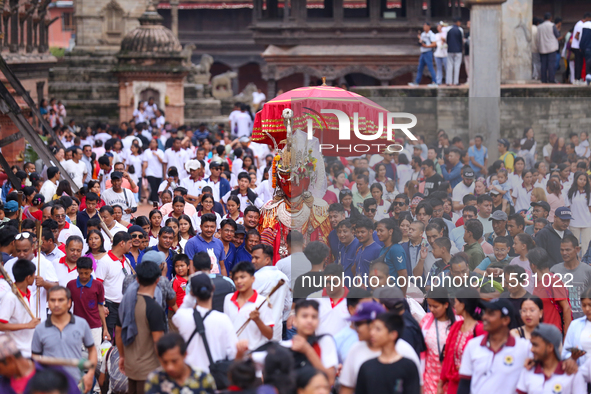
(274,170)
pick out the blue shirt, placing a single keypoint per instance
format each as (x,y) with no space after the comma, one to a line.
(344,340)
(169,263)
(479,156)
(333,243)
(455,176)
(488,261)
(242,255)
(347,257)
(139,258)
(364,256)
(395,259)
(230,258)
(198,244)
(457,236)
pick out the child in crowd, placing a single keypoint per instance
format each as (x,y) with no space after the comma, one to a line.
(494,264)
(503,186)
(522,244)
(179,282)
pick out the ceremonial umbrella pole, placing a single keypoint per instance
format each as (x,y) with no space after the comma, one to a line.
(19,199)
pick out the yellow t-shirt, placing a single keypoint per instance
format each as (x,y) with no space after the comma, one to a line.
(509,160)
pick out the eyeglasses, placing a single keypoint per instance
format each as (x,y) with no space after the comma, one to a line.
(60,216)
(371,210)
(135,236)
(499,250)
(24,235)
(398,203)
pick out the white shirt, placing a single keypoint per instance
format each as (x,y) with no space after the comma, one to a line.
(160,122)
(239,315)
(194,188)
(441,50)
(494,373)
(333,316)
(48,190)
(523,197)
(534,381)
(154,165)
(13,312)
(243,124)
(110,272)
(47,273)
(178,160)
(576,41)
(125,199)
(580,209)
(116,228)
(136,162)
(150,110)
(264,191)
(266,279)
(461,190)
(232,118)
(128,141)
(219,331)
(54,255)
(76,171)
(244,201)
(69,229)
(258,98)
(64,274)
(363,353)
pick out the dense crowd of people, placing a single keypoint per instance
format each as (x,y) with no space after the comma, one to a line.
(556,55)
(443,272)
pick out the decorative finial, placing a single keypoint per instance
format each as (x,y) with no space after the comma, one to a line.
(323,81)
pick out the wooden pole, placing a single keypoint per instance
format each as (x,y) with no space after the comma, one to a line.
(277,286)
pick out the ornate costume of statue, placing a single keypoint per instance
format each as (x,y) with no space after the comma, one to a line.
(299,183)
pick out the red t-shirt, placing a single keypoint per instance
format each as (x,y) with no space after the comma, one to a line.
(179,285)
(550,296)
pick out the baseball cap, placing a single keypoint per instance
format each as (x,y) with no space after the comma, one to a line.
(116,175)
(494,191)
(240,229)
(367,311)
(550,334)
(500,304)
(11,206)
(391,297)
(468,172)
(192,165)
(542,204)
(201,282)
(563,213)
(504,141)
(135,229)
(154,256)
(498,215)
(244,140)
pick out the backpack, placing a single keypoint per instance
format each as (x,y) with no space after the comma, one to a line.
(218,369)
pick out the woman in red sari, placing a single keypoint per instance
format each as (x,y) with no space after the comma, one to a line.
(467,304)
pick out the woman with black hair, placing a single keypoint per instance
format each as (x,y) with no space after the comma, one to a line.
(436,326)
(34,211)
(278,371)
(579,201)
(63,189)
(346,200)
(186,230)
(96,248)
(312,381)
(466,304)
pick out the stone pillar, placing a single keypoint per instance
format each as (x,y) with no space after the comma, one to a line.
(235,80)
(516,39)
(299,11)
(257,10)
(286,11)
(271,88)
(174,13)
(338,12)
(306,79)
(485,72)
(29,34)
(374,11)
(14,27)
